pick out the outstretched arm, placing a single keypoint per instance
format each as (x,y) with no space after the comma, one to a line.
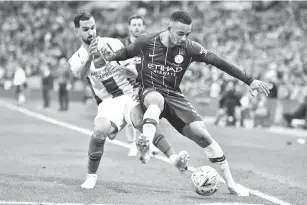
(203,55)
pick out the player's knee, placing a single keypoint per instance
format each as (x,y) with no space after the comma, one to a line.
(102,128)
(154,98)
(136,116)
(215,153)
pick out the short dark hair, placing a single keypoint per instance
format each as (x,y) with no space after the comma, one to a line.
(81,16)
(181,16)
(136,17)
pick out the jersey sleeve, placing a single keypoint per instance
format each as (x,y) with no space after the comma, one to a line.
(131,50)
(200,54)
(77,61)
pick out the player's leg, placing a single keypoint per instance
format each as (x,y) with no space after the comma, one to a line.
(102,128)
(197,132)
(135,118)
(153,103)
(109,120)
(131,133)
(187,121)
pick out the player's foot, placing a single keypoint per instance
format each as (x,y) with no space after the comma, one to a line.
(90,181)
(181,162)
(133,150)
(238,190)
(143,147)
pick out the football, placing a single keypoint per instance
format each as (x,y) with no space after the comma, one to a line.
(205,180)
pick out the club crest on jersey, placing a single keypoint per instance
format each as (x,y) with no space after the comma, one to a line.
(178,58)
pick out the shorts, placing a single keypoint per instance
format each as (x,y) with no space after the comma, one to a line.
(117,110)
(177,110)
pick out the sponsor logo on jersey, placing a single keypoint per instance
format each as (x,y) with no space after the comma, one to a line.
(102,74)
(203,51)
(164,70)
(178,58)
(137,60)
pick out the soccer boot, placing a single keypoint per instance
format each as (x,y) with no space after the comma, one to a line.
(143,146)
(238,190)
(90,181)
(181,163)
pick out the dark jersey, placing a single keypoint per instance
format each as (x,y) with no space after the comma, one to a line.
(163,67)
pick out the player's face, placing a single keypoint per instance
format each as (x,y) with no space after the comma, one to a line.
(87,30)
(179,32)
(136,27)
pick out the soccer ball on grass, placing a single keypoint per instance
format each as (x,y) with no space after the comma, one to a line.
(205,180)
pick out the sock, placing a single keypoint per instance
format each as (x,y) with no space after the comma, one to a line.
(216,155)
(224,167)
(95,152)
(151,120)
(163,145)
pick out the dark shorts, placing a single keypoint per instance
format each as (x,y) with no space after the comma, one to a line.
(177,110)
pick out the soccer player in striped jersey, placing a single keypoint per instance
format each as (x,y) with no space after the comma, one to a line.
(165,57)
(117,103)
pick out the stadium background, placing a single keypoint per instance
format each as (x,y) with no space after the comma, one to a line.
(267,39)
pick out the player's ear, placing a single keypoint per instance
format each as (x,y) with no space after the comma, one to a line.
(169,27)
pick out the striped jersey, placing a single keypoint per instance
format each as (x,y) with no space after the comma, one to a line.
(104,83)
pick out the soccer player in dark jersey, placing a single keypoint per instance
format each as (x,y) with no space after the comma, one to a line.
(165,57)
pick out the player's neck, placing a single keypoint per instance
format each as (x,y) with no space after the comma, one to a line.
(85,45)
(132,38)
(165,39)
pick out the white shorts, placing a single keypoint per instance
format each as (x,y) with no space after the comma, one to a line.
(118,109)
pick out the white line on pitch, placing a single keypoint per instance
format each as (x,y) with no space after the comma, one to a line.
(39,203)
(51,203)
(88,132)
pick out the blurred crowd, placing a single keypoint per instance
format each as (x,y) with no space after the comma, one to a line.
(264,38)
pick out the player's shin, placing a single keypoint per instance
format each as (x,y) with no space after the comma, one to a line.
(95,152)
(163,145)
(216,155)
(180,161)
(151,121)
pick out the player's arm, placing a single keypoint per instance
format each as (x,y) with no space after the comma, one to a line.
(80,64)
(128,65)
(125,53)
(202,55)
(80,67)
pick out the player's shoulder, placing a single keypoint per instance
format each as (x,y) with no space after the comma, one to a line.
(81,50)
(147,37)
(196,48)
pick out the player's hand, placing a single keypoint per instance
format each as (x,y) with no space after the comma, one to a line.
(93,48)
(260,87)
(107,52)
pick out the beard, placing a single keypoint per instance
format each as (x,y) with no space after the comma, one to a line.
(88,40)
